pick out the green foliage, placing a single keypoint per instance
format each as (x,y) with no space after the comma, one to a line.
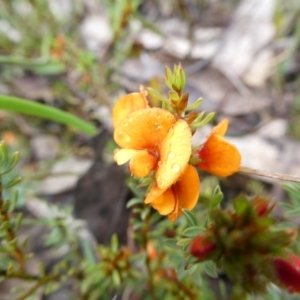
(157,262)
(43,111)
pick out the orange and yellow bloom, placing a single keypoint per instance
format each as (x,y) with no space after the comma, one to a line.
(158,143)
(154,140)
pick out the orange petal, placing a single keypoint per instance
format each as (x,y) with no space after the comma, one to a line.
(126,105)
(187,190)
(219,157)
(122,156)
(175,153)
(142,163)
(154,193)
(144,129)
(221,128)
(165,203)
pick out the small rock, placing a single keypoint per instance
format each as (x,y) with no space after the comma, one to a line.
(174,27)
(64,175)
(10,32)
(207,34)
(61,9)
(178,46)
(204,50)
(150,40)
(45,146)
(275,128)
(142,69)
(96,32)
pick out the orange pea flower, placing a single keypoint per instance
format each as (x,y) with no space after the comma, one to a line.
(126,105)
(154,140)
(217,155)
(183,193)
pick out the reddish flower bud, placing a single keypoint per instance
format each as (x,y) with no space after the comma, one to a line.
(287,272)
(202,247)
(262,206)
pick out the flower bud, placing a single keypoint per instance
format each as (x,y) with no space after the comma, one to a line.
(287,272)
(151,251)
(202,247)
(262,206)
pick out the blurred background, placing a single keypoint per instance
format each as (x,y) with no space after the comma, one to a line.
(241,56)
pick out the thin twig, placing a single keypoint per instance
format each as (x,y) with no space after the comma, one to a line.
(268,174)
(37,285)
(19,275)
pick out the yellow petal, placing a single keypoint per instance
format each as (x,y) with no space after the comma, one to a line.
(122,156)
(187,190)
(142,164)
(144,129)
(219,157)
(175,153)
(221,128)
(126,105)
(165,203)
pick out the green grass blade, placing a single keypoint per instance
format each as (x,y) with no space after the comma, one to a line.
(43,111)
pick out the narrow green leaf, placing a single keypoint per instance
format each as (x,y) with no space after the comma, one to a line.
(145,213)
(43,111)
(293,213)
(154,218)
(133,202)
(14,201)
(210,268)
(5,225)
(24,243)
(190,216)
(192,269)
(240,204)
(197,103)
(293,190)
(6,204)
(156,94)
(3,153)
(182,78)
(116,278)
(204,121)
(137,210)
(172,243)
(12,182)
(137,225)
(18,221)
(10,163)
(216,198)
(199,117)
(192,231)
(114,243)
(88,251)
(51,68)
(134,188)
(183,242)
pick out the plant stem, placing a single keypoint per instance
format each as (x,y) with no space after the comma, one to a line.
(41,282)
(19,275)
(148,261)
(18,253)
(280,176)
